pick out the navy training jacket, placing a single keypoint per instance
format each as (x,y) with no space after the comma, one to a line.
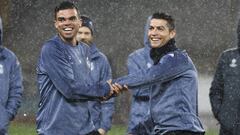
(11,85)
(65,85)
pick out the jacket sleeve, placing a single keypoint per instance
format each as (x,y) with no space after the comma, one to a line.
(60,71)
(170,67)
(15,89)
(132,67)
(217,88)
(107,107)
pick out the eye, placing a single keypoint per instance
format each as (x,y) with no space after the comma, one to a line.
(73,18)
(87,33)
(160,28)
(151,28)
(61,19)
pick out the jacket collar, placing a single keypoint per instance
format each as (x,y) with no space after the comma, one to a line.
(94,51)
(157,53)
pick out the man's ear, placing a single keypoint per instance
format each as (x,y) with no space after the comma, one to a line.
(80,22)
(172,33)
(55,24)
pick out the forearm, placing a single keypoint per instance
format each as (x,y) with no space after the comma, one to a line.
(168,68)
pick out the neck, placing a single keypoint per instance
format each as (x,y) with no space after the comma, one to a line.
(157,53)
(70,41)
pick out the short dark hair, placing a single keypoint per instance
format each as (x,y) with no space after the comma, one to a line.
(65,5)
(165,16)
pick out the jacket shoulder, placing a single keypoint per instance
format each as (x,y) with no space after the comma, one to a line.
(103,56)
(8,53)
(230,52)
(51,42)
(136,53)
(52,45)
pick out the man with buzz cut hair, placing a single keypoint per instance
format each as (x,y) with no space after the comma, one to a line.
(171,80)
(65,82)
(11,87)
(101,111)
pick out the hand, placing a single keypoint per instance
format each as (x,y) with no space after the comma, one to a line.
(111,91)
(101,131)
(115,89)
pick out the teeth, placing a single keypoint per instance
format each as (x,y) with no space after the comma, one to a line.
(67,29)
(154,39)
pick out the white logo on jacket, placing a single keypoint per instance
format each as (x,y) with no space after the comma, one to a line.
(1,69)
(149,65)
(233,63)
(90,64)
(171,54)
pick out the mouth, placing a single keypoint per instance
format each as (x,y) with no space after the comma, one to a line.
(154,39)
(67,29)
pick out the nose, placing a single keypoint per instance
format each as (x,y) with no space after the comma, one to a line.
(67,22)
(82,36)
(154,31)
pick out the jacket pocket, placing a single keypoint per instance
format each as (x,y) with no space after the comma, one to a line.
(4,120)
(224,120)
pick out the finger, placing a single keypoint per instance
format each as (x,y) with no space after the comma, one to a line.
(116,89)
(125,87)
(118,85)
(109,81)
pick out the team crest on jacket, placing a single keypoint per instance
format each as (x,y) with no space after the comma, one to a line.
(233,63)
(149,65)
(1,69)
(90,64)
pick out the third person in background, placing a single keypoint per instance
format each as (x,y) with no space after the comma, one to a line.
(101,111)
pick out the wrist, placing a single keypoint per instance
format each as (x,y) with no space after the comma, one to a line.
(101,131)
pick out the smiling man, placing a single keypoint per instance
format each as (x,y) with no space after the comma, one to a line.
(171,79)
(64,80)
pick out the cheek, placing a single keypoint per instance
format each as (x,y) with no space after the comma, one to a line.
(81,36)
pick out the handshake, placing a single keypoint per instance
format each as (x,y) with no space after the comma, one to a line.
(115,89)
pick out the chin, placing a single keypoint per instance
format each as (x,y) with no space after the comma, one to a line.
(68,38)
(155,46)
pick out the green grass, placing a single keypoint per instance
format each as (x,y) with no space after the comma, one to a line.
(22,129)
(29,129)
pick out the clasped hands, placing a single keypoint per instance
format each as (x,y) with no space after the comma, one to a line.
(115,89)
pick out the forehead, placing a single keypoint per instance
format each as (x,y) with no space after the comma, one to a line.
(67,13)
(158,22)
(84,29)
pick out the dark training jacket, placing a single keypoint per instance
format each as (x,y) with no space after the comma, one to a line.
(225,89)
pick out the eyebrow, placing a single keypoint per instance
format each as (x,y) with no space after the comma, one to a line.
(71,17)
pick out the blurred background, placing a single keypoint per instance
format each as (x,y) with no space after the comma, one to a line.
(204,29)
